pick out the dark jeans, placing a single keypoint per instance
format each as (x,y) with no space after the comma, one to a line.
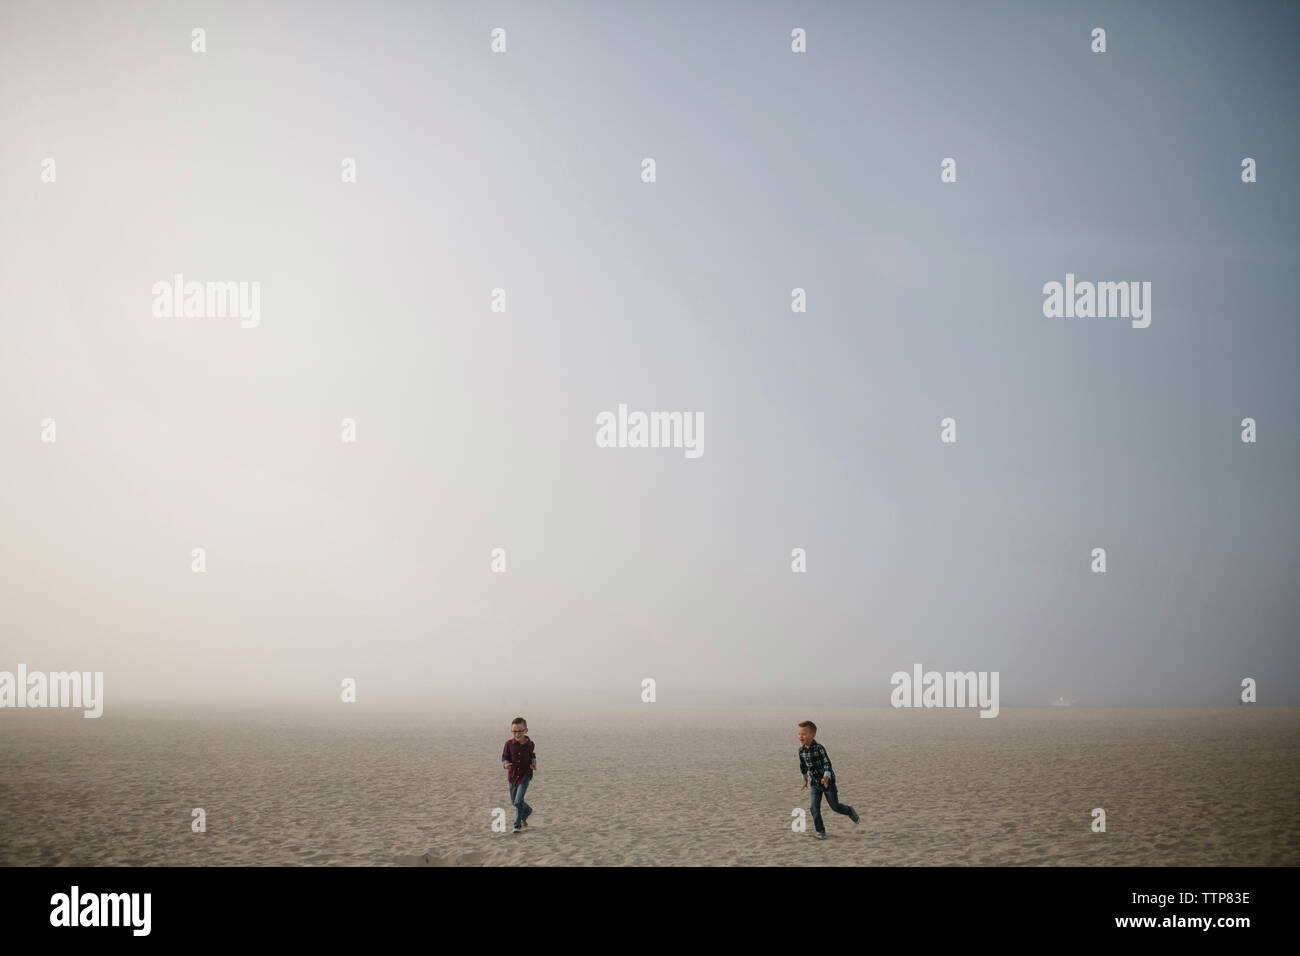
(832,801)
(522,810)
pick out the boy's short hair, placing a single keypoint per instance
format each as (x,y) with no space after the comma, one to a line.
(809,724)
(518,720)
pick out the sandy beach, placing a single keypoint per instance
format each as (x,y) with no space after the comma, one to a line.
(655,785)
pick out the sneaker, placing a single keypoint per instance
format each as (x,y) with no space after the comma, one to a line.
(518,828)
(821,836)
(853,815)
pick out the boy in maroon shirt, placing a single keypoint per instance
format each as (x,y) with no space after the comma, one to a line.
(520,764)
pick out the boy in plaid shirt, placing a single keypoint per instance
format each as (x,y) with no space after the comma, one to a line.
(519,762)
(815,765)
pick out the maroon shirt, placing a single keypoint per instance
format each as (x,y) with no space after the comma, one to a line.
(519,754)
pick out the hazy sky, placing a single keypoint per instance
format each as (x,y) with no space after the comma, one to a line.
(476,429)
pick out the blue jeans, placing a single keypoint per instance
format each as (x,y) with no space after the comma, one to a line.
(522,810)
(832,801)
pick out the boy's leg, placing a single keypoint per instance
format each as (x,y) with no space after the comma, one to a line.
(524,807)
(833,801)
(815,805)
(517,791)
(514,802)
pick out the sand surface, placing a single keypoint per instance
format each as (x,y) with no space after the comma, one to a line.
(655,785)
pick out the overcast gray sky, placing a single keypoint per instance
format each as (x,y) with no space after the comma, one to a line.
(476,430)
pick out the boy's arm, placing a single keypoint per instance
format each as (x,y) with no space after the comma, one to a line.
(505,756)
(803,771)
(826,758)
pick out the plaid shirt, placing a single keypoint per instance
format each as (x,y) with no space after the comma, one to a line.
(815,759)
(519,754)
